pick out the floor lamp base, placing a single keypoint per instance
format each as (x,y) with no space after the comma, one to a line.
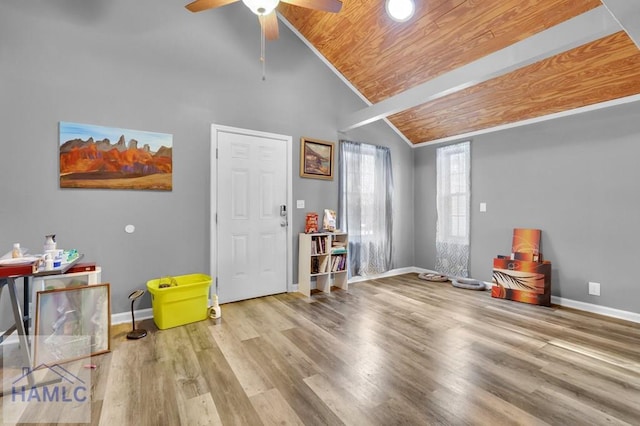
(139,333)
(136,334)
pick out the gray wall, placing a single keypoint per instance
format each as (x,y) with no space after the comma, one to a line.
(154,66)
(576,178)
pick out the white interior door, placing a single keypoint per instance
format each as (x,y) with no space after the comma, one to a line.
(252,172)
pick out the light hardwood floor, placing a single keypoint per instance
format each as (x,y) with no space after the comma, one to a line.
(390,351)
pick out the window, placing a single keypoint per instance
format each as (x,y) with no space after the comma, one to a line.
(455,194)
(361,186)
(453,201)
(366,187)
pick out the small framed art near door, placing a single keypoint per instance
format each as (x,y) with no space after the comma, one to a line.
(316,159)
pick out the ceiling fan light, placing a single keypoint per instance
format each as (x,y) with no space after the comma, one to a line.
(261,7)
(400,10)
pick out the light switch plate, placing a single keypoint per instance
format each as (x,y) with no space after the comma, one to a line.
(300,204)
(483,207)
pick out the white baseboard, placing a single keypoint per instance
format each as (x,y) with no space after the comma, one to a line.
(596,309)
(123,317)
(391,273)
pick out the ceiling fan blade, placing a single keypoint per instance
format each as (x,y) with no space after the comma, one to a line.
(269,24)
(200,5)
(324,5)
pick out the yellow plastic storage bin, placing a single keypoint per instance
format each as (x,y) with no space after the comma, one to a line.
(179,300)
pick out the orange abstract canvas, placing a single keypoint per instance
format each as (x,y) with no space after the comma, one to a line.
(522,281)
(526,241)
(523,276)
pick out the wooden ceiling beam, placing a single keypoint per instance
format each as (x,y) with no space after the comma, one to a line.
(582,29)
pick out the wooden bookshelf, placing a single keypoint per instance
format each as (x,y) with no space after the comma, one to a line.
(323,259)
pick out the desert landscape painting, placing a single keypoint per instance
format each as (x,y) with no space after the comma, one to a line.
(316,159)
(113,158)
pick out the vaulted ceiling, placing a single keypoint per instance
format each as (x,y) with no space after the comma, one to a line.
(460,67)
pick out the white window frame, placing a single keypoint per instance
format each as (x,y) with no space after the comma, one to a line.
(454,175)
(366,193)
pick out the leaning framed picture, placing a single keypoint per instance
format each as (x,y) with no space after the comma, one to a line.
(72,323)
(316,159)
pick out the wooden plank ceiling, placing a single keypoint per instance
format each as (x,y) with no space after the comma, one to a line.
(382,58)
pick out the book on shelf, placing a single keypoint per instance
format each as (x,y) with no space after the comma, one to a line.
(320,245)
(324,262)
(338,263)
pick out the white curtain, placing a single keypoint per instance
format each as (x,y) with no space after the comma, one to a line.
(365,206)
(453,208)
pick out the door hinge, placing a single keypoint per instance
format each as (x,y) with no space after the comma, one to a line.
(216,153)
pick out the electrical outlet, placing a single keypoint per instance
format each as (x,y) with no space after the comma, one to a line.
(594,288)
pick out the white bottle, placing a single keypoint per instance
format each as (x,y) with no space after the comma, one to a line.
(214,311)
(48,262)
(49,242)
(16,252)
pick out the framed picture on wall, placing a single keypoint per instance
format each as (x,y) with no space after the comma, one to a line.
(102,157)
(316,159)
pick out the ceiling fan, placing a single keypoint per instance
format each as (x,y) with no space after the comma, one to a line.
(265,9)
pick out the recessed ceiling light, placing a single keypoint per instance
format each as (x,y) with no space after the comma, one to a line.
(400,10)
